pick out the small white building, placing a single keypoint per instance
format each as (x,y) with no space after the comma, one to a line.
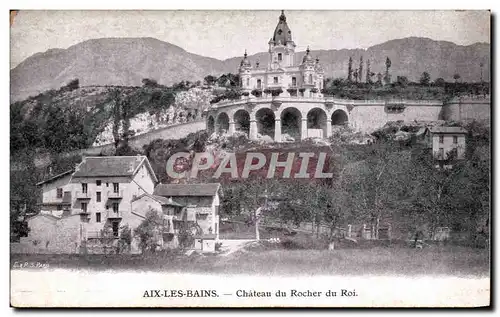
(444,140)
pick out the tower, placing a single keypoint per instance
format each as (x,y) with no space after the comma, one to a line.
(307,69)
(245,73)
(281,45)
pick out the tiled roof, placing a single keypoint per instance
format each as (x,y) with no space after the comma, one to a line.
(100,166)
(162,200)
(173,190)
(53,178)
(448,130)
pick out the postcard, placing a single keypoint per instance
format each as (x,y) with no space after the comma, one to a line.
(281,158)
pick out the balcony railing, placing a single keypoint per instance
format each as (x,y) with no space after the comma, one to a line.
(82,195)
(110,214)
(115,194)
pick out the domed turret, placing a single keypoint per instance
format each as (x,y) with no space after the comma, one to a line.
(245,62)
(307,58)
(282,33)
(318,68)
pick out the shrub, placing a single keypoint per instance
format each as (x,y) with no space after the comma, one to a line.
(257,92)
(276,92)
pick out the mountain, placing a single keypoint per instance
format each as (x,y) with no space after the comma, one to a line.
(126,61)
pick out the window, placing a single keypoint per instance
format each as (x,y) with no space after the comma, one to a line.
(115,226)
(248,82)
(455,139)
(98,182)
(115,207)
(59,207)
(441,153)
(294,81)
(441,139)
(107,184)
(98,197)
(310,78)
(97,217)
(59,193)
(259,83)
(280,57)
(116,188)
(275,80)
(84,188)
(84,207)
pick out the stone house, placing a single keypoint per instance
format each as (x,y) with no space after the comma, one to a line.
(200,204)
(444,140)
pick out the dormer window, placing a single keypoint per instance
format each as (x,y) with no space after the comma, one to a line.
(280,31)
(280,57)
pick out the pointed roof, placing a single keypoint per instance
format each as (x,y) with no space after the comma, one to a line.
(245,62)
(112,166)
(282,33)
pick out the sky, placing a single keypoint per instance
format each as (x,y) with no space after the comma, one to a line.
(224,34)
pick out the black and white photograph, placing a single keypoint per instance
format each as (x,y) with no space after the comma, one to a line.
(250,158)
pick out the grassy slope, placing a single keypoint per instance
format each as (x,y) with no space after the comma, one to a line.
(395,260)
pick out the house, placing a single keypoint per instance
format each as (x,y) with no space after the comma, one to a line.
(173,216)
(79,206)
(445,140)
(104,188)
(201,203)
(57,194)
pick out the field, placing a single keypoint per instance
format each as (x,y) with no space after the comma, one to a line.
(267,259)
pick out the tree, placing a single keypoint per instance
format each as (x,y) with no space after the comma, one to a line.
(439,82)
(148,231)
(379,79)
(369,73)
(387,77)
(425,79)
(481,65)
(402,81)
(456,77)
(349,70)
(360,72)
(210,80)
(356,75)
(146,82)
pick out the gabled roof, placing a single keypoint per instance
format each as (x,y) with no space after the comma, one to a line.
(112,166)
(55,177)
(452,130)
(175,190)
(164,201)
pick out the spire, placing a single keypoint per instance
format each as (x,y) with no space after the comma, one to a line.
(307,57)
(245,62)
(282,16)
(282,32)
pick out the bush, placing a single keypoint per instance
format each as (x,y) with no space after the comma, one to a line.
(257,92)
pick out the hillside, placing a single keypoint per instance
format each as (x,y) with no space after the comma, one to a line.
(126,61)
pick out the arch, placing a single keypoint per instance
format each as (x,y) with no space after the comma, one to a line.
(265,122)
(291,123)
(210,125)
(242,121)
(316,120)
(339,117)
(222,123)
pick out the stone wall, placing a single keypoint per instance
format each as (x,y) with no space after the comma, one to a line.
(467,109)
